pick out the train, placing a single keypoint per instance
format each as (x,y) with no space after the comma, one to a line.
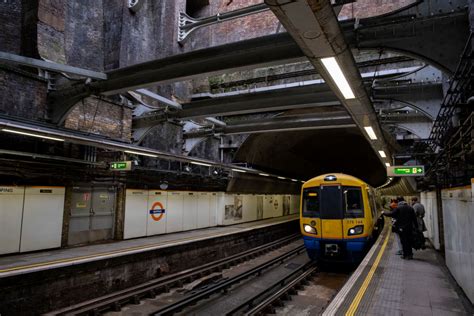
(339,218)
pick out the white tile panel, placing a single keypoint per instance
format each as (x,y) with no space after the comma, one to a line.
(277,205)
(286,204)
(174,218)
(213,203)
(260,200)
(294,204)
(136,207)
(190,201)
(428,199)
(249,208)
(42,218)
(204,209)
(458,218)
(156,223)
(11,213)
(268,206)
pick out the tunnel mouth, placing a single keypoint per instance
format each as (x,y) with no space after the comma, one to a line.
(307,154)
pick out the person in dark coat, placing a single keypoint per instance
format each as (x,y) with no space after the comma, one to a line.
(419,238)
(406,221)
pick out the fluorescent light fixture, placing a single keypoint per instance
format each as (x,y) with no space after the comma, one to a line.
(370,132)
(387,164)
(282,178)
(302,181)
(294,180)
(200,164)
(382,154)
(264,174)
(332,67)
(238,170)
(31,134)
(140,153)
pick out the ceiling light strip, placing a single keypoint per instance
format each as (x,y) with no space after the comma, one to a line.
(332,67)
(370,132)
(32,135)
(140,153)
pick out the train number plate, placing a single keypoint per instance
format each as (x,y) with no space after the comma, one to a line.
(332,249)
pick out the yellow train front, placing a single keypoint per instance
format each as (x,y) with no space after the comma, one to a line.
(338,217)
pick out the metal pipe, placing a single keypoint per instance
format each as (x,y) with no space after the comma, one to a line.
(159,98)
(117,146)
(215,121)
(34,155)
(188,24)
(50,66)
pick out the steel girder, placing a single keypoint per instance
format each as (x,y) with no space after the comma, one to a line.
(268,101)
(308,96)
(432,30)
(328,120)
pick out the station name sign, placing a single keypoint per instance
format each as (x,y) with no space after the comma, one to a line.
(406,171)
(121,166)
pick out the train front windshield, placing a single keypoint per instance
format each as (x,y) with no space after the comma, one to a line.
(333,202)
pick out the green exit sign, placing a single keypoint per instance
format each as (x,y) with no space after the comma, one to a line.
(406,171)
(121,166)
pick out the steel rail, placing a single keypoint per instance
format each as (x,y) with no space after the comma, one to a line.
(116,300)
(223,286)
(283,294)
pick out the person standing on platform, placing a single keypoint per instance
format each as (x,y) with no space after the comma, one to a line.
(406,221)
(393,206)
(420,214)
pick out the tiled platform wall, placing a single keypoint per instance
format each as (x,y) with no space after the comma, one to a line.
(458,223)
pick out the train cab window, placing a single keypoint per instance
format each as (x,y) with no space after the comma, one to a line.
(311,202)
(331,202)
(353,203)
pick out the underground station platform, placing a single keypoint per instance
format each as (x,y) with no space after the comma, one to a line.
(386,284)
(68,257)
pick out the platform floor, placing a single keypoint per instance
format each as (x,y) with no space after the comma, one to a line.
(386,284)
(48,259)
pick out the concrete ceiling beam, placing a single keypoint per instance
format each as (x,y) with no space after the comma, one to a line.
(315,28)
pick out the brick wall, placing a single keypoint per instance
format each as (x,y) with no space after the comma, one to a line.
(51,26)
(10,20)
(167,137)
(101,117)
(367,8)
(84,34)
(22,95)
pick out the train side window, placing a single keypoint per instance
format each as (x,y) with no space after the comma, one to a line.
(311,202)
(373,205)
(353,203)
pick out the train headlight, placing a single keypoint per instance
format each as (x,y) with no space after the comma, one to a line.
(356,230)
(309,229)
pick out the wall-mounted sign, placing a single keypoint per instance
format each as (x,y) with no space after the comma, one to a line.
(121,166)
(406,171)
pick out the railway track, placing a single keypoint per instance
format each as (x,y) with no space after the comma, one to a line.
(224,286)
(274,296)
(115,301)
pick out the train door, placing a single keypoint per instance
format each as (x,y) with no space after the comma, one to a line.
(332,214)
(92,214)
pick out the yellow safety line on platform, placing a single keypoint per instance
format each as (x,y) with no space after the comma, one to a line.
(355,303)
(41,264)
